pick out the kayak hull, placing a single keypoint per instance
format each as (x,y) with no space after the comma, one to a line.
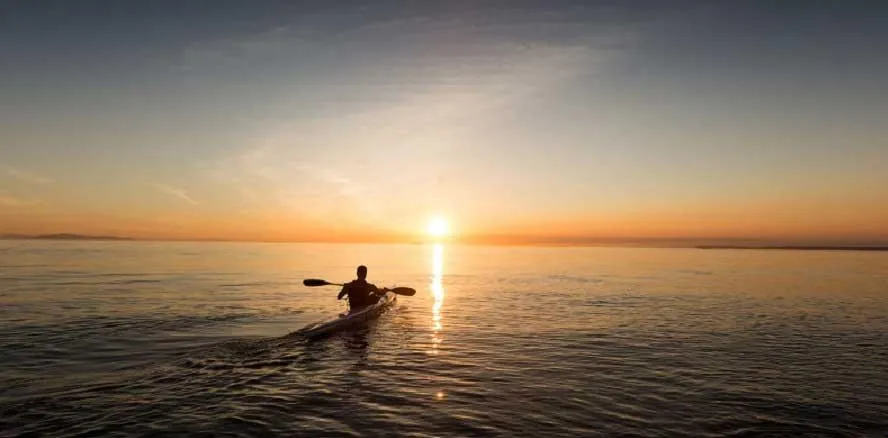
(351,319)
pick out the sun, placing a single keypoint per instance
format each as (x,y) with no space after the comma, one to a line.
(438,227)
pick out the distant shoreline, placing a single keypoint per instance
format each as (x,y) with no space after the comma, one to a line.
(802,248)
(62,236)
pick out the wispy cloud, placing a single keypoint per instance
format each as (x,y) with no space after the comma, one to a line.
(427,109)
(176,192)
(345,187)
(292,161)
(26,176)
(232,49)
(12,201)
(261,163)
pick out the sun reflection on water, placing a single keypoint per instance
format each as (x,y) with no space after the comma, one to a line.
(437,289)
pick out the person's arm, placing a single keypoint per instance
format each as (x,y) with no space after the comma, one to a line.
(343,292)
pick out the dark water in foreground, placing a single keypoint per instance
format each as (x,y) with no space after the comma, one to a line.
(133,339)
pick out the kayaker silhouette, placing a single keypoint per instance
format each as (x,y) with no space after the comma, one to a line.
(360,293)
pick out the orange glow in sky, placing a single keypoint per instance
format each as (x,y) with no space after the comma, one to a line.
(552,126)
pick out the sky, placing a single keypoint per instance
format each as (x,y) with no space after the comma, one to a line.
(517,122)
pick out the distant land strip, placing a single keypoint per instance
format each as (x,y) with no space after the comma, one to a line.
(64,236)
(803,248)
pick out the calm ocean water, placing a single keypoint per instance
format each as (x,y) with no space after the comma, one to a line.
(174,339)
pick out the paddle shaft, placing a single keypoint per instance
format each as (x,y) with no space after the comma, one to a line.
(406,291)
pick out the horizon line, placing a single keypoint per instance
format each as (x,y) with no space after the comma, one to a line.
(500,240)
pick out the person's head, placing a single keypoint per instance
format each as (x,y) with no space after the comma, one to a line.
(362,272)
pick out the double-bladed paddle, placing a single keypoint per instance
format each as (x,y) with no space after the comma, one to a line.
(405,291)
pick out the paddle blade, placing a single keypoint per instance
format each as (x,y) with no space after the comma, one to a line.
(406,291)
(314,282)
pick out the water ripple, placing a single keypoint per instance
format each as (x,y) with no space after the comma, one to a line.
(631,351)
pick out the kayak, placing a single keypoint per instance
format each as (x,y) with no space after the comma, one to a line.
(351,318)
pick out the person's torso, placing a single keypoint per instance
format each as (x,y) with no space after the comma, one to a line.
(358,293)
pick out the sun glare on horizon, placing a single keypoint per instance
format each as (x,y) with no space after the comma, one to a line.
(438,227)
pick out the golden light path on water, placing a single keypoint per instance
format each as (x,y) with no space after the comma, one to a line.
(437,289)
